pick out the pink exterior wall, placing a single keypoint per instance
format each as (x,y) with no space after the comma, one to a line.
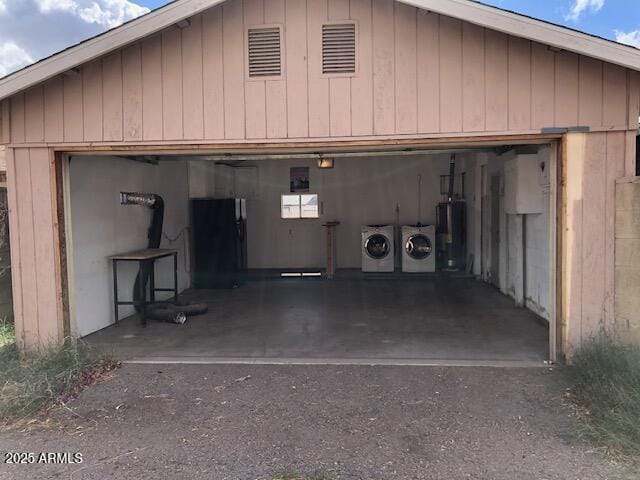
(34,262)
(594,162)
(419,73)
(5,122)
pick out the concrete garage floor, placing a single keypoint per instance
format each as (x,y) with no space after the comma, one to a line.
(427,319)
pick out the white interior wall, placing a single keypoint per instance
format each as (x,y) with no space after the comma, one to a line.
(494,167)
(538,228)
(514,265)
(467,162)
(523,272)
(358,191)
(475,200)
(482,188)
(102,227)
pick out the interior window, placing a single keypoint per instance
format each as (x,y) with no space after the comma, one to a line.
(309,206)
(300,206)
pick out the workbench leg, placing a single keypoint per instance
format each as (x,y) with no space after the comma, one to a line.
(175,278)
(152,281)
(115,291)
(143,295)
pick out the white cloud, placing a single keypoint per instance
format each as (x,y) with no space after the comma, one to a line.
(581,6)
(107,13)
(27,26)
(12,57)
(111,13)
(46,6)
(630,38)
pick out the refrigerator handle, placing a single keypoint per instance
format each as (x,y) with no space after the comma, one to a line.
(241,229)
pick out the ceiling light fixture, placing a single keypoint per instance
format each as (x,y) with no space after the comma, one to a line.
(325,162)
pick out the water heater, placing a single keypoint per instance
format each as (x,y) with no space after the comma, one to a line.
(451,228)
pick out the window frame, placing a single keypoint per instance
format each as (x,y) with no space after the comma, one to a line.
(299,217)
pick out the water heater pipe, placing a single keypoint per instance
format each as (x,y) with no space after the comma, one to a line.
(452,176)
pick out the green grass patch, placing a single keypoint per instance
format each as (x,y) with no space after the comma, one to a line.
(7,333)
(287,475)
(32,384)
(607,395)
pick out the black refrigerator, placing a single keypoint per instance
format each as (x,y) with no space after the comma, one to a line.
(219,242)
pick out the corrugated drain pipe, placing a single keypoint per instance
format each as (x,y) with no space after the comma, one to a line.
(162,311)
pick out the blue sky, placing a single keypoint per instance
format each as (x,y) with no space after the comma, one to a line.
(33,29)
(612,16)
(152,3)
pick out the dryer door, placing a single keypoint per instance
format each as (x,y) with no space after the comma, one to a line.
(418,246)
(377,246)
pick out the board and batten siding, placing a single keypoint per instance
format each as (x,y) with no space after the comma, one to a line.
(3,159)
(594,162)
(418,73)
(33,228)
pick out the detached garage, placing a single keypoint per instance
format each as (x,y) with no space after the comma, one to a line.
(352,181)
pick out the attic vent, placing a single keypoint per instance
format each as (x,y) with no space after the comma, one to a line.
(339,48)
(264,52)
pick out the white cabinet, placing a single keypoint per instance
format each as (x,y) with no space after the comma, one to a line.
(523,192)
(201,179)
(246,182)
(236,182)
(224,181)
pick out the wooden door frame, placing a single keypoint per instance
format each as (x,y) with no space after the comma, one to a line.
(64,250)
(61,222)
(558,336)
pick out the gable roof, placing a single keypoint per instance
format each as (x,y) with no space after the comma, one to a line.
(468,10)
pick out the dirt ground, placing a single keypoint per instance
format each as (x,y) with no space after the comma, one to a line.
(241,422)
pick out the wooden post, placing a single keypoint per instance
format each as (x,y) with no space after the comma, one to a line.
(331,248)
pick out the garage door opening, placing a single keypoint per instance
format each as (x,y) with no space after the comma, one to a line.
(356,256)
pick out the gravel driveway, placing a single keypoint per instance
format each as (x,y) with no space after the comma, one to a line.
(354,422)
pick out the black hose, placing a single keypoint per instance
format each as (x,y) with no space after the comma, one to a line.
(175,313)
(154,234)
(163,311)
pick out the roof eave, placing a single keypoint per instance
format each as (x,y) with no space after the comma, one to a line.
(532,29)
(103,44)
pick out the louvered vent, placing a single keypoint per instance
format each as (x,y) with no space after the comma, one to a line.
(339,48)
(264,52)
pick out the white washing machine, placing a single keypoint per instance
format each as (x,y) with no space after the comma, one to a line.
(378,248)
(418,248)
